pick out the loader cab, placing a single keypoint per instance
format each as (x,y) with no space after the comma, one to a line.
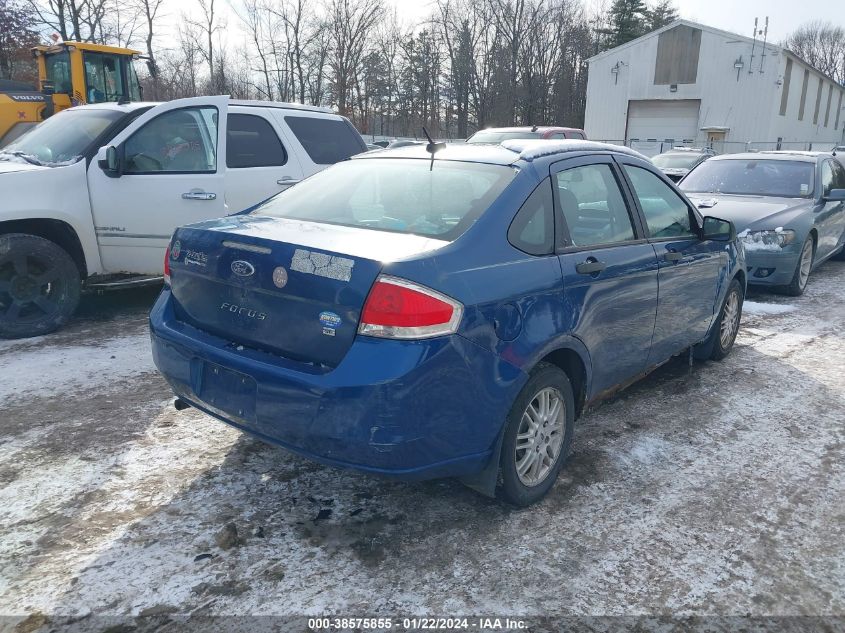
(79,73)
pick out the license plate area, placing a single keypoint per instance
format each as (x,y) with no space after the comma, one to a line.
(228,391)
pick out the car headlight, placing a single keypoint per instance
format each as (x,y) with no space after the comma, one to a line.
(778,237)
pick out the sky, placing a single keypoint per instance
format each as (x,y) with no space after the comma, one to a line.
(736,16)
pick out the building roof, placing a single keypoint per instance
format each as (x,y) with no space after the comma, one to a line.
(680,22)
(697,25)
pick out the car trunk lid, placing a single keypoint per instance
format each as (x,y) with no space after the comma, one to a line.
(289,287)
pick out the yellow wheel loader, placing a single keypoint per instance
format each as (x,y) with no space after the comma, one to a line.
(69,74)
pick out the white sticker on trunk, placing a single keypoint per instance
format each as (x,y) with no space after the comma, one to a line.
(322,265)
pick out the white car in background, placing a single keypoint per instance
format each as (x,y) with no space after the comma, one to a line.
(90,197)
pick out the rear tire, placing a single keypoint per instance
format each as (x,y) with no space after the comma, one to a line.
(538,435)
(801,276)
(841,254)
(39,286)
(720,341)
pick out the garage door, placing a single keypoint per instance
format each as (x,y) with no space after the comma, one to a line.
(674,121)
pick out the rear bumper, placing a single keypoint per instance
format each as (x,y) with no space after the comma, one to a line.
(767,268)
(408,409)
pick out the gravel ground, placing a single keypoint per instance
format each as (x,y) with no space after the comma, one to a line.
(716,492)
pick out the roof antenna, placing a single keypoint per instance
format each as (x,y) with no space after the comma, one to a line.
(753,47)
(533,128)
(432,147)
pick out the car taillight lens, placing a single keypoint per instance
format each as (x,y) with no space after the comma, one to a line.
(396,308)
(167,266)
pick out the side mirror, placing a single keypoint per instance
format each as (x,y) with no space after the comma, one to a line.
(835,195)
(109,161)
(718,230)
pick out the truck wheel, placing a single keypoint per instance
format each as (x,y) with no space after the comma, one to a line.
(39,286)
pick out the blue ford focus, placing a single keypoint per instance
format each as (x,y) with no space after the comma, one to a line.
(445,311)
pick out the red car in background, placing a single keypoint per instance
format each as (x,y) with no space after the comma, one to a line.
(496,135)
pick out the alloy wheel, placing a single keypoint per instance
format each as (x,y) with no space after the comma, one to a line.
(805,264)
(540,436)
(730,319)
(28,287)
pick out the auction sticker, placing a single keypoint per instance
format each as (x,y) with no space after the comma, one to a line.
(330,322)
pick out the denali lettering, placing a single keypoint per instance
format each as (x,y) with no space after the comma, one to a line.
(242,310)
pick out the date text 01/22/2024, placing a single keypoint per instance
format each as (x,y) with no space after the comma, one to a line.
(418,624)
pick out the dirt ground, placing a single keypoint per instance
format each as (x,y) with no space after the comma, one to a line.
(716,492)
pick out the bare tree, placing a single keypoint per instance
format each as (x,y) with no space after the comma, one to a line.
(350,23)
(822,45)
(149,10)
(255,16)
(208,27)
(77,20)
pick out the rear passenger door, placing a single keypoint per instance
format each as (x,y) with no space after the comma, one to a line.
(609,269)
(258,164)
(689,267)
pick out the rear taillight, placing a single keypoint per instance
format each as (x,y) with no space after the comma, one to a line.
(396,308)
(167,266)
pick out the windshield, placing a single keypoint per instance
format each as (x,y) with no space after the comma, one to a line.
(498,137)
(62,138)
(399,195)
(756,177)
(675,161)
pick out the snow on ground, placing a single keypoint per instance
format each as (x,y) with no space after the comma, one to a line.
(715,492)
(757,308)
(49,370)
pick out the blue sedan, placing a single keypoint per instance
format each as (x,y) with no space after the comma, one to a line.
(445,311)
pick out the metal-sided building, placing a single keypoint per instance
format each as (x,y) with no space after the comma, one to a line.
(691,84)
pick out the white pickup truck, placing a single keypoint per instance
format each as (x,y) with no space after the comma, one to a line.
(90,197)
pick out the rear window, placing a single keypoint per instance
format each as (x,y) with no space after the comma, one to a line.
(399,195)
(675,161)
(327,141)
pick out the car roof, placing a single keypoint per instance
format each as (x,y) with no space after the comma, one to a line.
(466,152)
(507,153)
(689,150)
(281,105)
(135,105)
(531,128)
(118,107)
(805,157)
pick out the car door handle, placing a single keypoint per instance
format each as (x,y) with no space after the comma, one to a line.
(199,195)
(590,267)
(674,256)
(286,181)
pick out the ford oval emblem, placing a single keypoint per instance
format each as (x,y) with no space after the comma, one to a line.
(242,268)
